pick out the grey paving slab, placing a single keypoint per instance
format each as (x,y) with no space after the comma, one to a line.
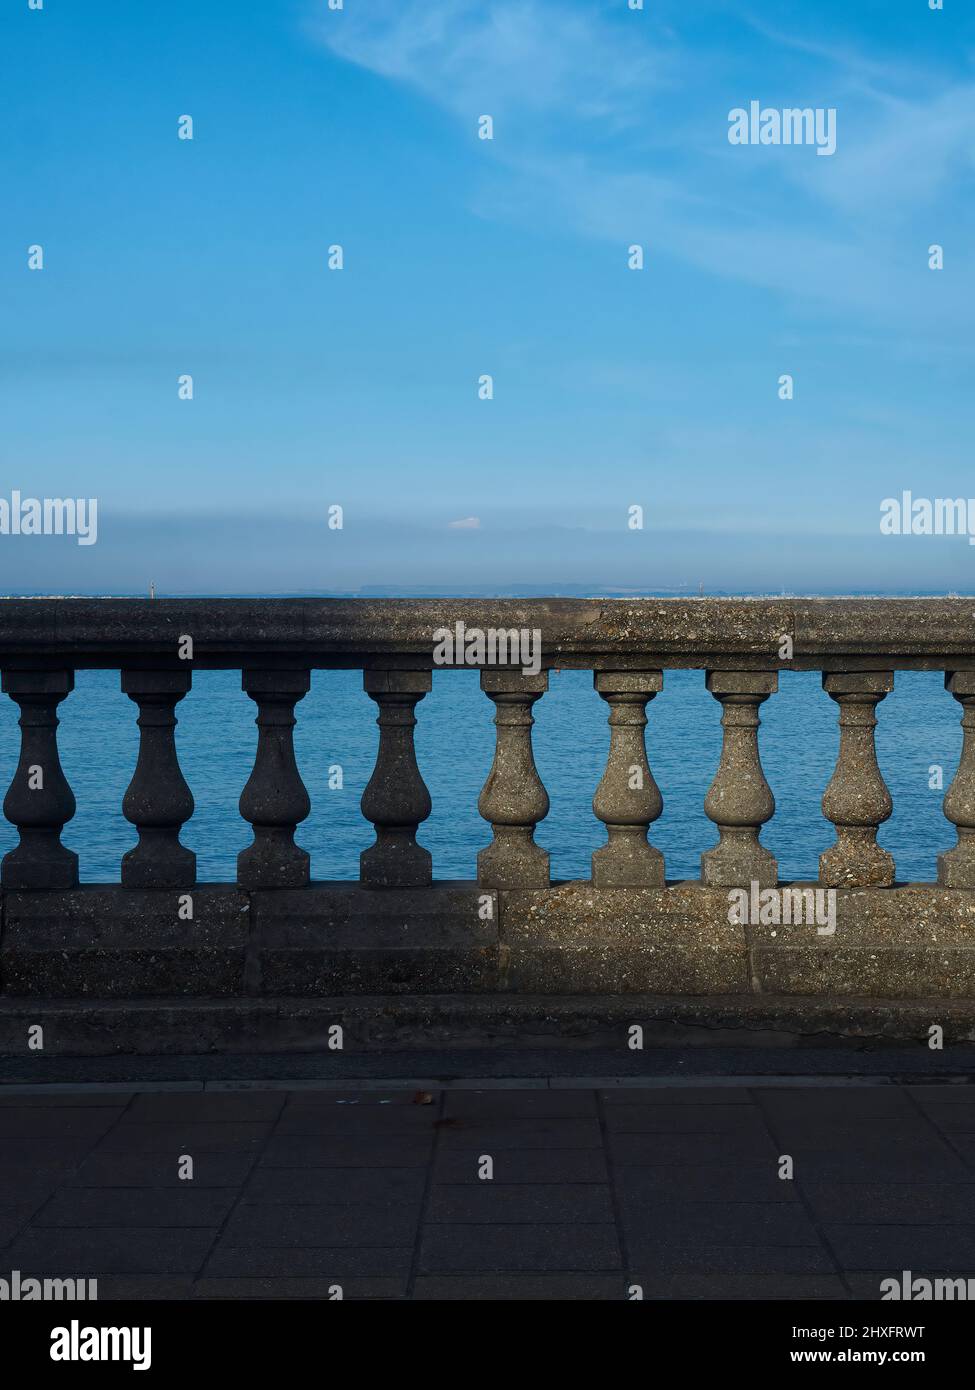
(674,1095)
(137,1168)
(686,1119)
(319,1186)
(963,1145)
(30,1181)
(331,1151)
(349,1122)
(747,1287)
(752,1182)
(492,1202)
(483,1104)
(263,1262)
(493,1133)
(97,1251)
(209,1107)
(855,1102)
(366,1095)
(14,1216)
(653,1256)
(523,1166)
(890,1163)
(943,1095)
(717,1223)
(902,1247)
(53,1150)
(352,1287)
(127,1286)
(658,1150)
(949,1119)
(899,1204)
(343,1225)
(557,1288)
(188,1136)
(61,1122)
(296,1192)
(854,1133)
(510,1248)
(92,1207)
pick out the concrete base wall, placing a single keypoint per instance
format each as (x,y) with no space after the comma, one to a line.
(436,1023)
(113,970)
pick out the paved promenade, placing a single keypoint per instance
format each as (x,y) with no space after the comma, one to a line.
(675,1188)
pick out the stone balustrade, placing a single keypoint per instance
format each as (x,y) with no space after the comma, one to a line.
(627,929)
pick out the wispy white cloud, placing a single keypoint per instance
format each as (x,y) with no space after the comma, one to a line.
(615,129)
(472,56)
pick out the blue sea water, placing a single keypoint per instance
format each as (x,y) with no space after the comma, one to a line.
(918,729)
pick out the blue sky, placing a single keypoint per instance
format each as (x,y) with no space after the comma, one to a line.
(463,256)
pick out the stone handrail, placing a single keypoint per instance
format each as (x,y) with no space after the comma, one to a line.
(598,634)
(740,643)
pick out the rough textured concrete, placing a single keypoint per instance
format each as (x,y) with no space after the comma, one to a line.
(956,867)
(857,800)
(158,801)
(627,799)
(579,940)
(349,940)
(513,799)
(739,800)
(274,798)
(596,1194)
(386,1026)
(339,938)
(605,634)
(396,799)
(904,943)
(110,942)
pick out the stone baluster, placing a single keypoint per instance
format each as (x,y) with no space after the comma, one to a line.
(158,801)
(513,799)
(627,799)
(274,799)
(956,867)
(857,800)
(739,800)
(39,802)
(396,799)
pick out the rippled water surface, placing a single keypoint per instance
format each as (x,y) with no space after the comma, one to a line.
(918,729)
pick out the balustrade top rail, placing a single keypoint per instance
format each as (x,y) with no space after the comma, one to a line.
(598,634)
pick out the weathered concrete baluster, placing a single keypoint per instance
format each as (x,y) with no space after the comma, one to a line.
(857,800)
(39,802)
(956,867)
(739,800)
(396,799)
(513,799)
(274,799)
(627,799)
(158,801)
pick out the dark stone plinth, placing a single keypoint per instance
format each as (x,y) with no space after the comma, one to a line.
(126,958)
(343,938)
(115,942)
(382,1027)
